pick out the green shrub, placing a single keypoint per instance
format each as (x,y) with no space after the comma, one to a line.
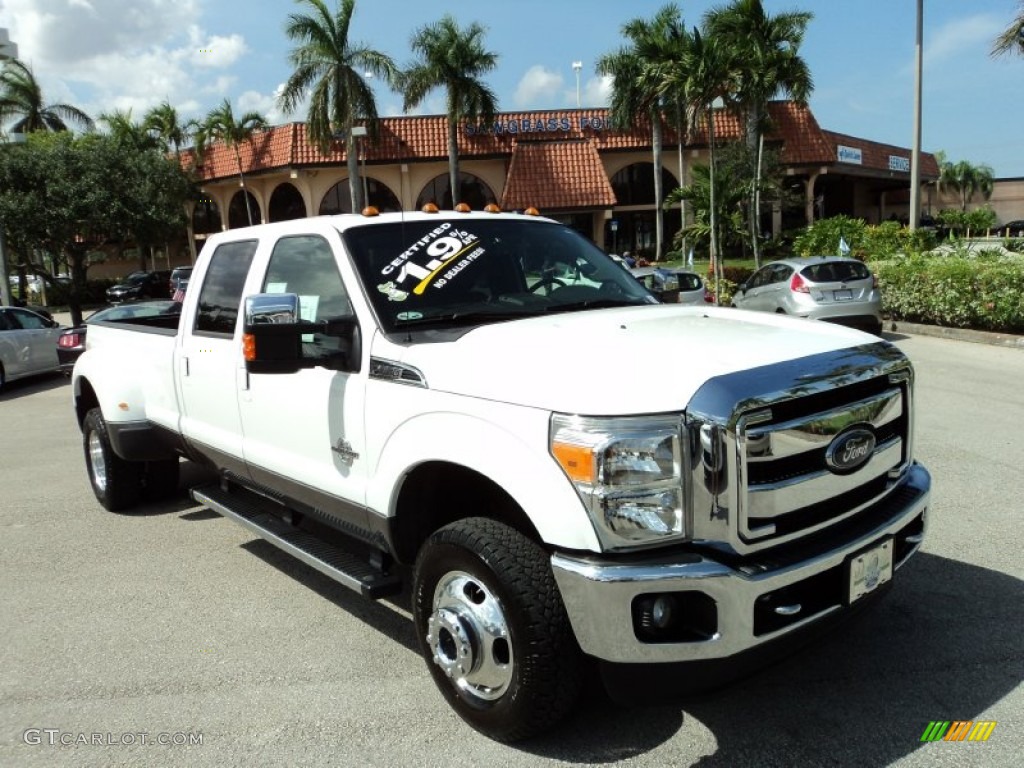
(822,237)
(982,293)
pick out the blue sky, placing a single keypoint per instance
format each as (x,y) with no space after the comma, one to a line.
(106,54)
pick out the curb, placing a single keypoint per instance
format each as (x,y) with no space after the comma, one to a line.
(1009,340)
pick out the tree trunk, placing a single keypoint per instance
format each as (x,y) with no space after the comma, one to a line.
(453,158)
(755,207)
(715,258)
(245,192)
(681,128)
(659,193)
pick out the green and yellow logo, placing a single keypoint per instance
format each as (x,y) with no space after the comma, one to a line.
(958,730)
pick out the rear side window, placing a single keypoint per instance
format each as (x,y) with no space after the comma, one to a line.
(689,282)
(221,294)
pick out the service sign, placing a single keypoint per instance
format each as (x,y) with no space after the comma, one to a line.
(849,155)
(897,163)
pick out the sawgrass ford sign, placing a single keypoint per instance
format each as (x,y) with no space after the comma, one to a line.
(539,124)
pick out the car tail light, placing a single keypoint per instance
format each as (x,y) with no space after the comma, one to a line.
(797,284)
(69,340)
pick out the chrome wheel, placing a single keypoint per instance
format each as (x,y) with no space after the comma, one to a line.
(468,634)
(97,462)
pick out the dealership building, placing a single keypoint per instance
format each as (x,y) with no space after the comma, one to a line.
(573,165)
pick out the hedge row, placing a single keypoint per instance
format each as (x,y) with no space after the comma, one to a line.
(984,293)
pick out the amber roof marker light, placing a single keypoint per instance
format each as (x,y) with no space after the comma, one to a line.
(492,208)
(531,211)
(430,208)
(371,210)
(463,208)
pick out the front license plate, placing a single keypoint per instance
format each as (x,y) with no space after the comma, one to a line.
(846,295)
(870,569)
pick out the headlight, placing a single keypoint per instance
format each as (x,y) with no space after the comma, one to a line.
(629,473)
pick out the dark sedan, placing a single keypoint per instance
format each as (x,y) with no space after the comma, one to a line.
(71,343)
(140,285)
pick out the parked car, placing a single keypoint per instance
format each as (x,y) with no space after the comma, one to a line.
(71,342)
(1010,229)
(179,279)
(671,286)
(140,285)
(27,344)
(25,305)
(832,288)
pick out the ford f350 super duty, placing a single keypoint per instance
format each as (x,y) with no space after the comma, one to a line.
(485,407)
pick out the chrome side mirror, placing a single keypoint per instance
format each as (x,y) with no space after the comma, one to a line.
(271,309)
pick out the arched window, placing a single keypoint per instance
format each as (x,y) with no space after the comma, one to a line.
(286,203)
(472,190)
(634,184)
(379,195)
(237,215)
(206,217)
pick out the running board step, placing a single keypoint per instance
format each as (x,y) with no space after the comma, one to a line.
(345,568)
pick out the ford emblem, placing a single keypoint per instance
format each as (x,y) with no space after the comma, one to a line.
(850,450)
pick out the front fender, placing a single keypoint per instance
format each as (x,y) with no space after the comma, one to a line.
(523,468)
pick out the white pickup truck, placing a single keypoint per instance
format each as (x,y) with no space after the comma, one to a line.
(568,475)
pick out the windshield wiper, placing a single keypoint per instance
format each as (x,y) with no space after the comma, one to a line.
(596,304)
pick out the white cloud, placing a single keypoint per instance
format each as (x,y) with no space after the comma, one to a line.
(597,92)
(961,36)
(215,51)
(539,87)
(102,55)
(266,105)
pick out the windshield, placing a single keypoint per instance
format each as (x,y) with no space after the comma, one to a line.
(447,272)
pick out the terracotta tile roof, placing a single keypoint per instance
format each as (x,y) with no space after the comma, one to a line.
(425,138)
(876,156)
(553,175)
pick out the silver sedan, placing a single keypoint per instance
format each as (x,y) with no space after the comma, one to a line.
(28,344)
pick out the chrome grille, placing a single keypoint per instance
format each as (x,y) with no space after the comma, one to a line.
(760,476)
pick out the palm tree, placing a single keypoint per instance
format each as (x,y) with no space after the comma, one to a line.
(21,97)
(641,78)
(454,59)
(123,127)
(336,69)
(1012,39)
(704,75)
(768,65)
(965,179)
(221,125)
(163,123)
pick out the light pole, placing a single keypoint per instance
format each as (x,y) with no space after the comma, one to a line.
(915,153)
(577,66)
(359,133)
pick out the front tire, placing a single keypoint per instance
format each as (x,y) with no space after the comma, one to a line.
(493,630)
(117,483)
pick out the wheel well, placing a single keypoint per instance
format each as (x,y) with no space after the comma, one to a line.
(85,400)
(437,493)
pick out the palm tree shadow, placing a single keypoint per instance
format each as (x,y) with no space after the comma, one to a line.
(935,648)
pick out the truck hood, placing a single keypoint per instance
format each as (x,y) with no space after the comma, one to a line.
(649,359)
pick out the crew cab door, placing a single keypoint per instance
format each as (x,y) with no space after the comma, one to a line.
(209,363)
(303,431)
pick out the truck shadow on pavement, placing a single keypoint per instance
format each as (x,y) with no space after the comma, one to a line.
(944,644)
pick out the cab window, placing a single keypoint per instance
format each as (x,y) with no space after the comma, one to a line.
(221,294)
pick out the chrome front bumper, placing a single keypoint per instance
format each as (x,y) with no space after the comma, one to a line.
(599,594)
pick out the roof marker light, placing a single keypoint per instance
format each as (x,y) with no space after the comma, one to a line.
(531,211)
(430,208)
(371,210)
(492,208)
(463,208)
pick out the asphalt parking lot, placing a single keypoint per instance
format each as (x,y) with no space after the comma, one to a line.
(178,626)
